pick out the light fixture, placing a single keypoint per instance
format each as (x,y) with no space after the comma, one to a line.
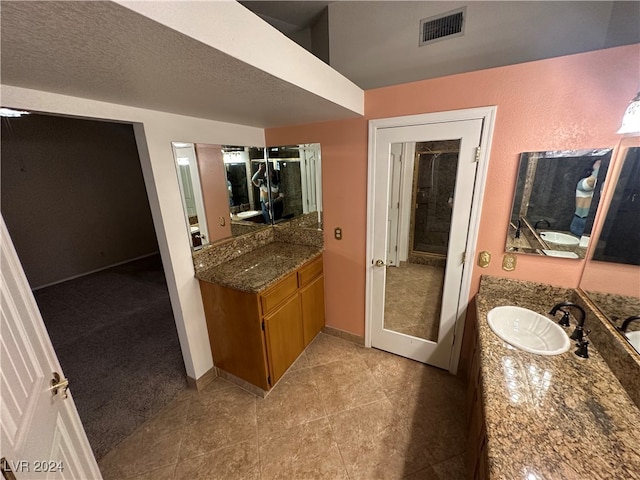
(9,112)
(631,119)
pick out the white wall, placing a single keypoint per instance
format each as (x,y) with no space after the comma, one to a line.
(154,132)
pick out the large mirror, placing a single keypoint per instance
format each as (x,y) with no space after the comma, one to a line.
(555,202)
(619,240)
(234,190)
(612,278)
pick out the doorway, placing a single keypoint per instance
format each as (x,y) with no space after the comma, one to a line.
(426,175)
(75,203)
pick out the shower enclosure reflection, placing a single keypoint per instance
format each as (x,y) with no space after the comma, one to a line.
(420,208)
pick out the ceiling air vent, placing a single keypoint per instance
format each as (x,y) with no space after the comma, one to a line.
(447,25)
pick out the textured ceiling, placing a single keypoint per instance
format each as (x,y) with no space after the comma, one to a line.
(103,51)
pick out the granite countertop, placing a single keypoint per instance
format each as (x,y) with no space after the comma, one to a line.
(260,268)
(552,417)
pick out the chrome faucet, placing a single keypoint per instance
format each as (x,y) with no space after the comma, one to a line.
(578,333)
(625,324)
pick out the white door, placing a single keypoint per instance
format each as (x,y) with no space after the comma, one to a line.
(310,177)
(446,278)
(41,435)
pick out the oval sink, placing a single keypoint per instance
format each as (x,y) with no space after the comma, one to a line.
(560,253)
(634,339)
(559,238)
(528,330)
(248,214)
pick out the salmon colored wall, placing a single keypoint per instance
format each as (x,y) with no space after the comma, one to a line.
(568,102)
(214,190)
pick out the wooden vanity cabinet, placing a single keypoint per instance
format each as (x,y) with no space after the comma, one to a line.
(257,336)
(311,284)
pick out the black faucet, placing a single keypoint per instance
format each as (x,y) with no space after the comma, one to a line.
(542,220)
(518,229)
(625,324)
(578,333)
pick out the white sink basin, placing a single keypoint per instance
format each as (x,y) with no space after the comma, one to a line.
(559,238)
(634,339)
(560,253)
(528,330)
(248,213)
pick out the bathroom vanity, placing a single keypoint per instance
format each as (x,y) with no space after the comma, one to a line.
(549,417)
(263,307)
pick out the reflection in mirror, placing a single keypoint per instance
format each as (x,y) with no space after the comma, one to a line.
(295,181)
(226,190)
(623,312)
(619,241)
(556,199)
(192,200)
(244,204)
(420,215)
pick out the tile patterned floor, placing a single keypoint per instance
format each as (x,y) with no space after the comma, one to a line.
(340,412)
(413,300)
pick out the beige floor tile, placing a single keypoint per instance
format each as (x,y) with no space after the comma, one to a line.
(437,421)
(301,362)
(346,384)
(292,402)
(413,298)
(234,462)
(374,445)
(218,419)
(305,452)
(339,408)
(165,473)
(153,445)
(395,374)
(327,348)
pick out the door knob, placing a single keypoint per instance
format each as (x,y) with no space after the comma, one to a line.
(379,263)
(58,383)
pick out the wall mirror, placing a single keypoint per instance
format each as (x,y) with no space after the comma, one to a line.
(228,191)
(619,243)
(556,198)
(619,240)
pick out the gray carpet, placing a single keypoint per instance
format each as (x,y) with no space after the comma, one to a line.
(115,336)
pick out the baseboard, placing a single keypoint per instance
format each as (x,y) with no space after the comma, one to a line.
(95,271)
(200,383)
(351,337)
(242,383)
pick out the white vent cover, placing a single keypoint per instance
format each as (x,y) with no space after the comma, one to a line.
(446,25)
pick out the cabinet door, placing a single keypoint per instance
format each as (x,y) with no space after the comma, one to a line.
(283,332)
(312,299)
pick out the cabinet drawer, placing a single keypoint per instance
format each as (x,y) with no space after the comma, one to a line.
(276,294)
(310,271)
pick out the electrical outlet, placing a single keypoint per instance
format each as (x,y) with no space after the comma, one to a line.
(338,233)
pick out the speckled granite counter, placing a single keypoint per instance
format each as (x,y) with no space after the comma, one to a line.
(558,417)
(258,269)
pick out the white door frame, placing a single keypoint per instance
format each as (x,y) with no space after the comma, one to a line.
(487,114)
